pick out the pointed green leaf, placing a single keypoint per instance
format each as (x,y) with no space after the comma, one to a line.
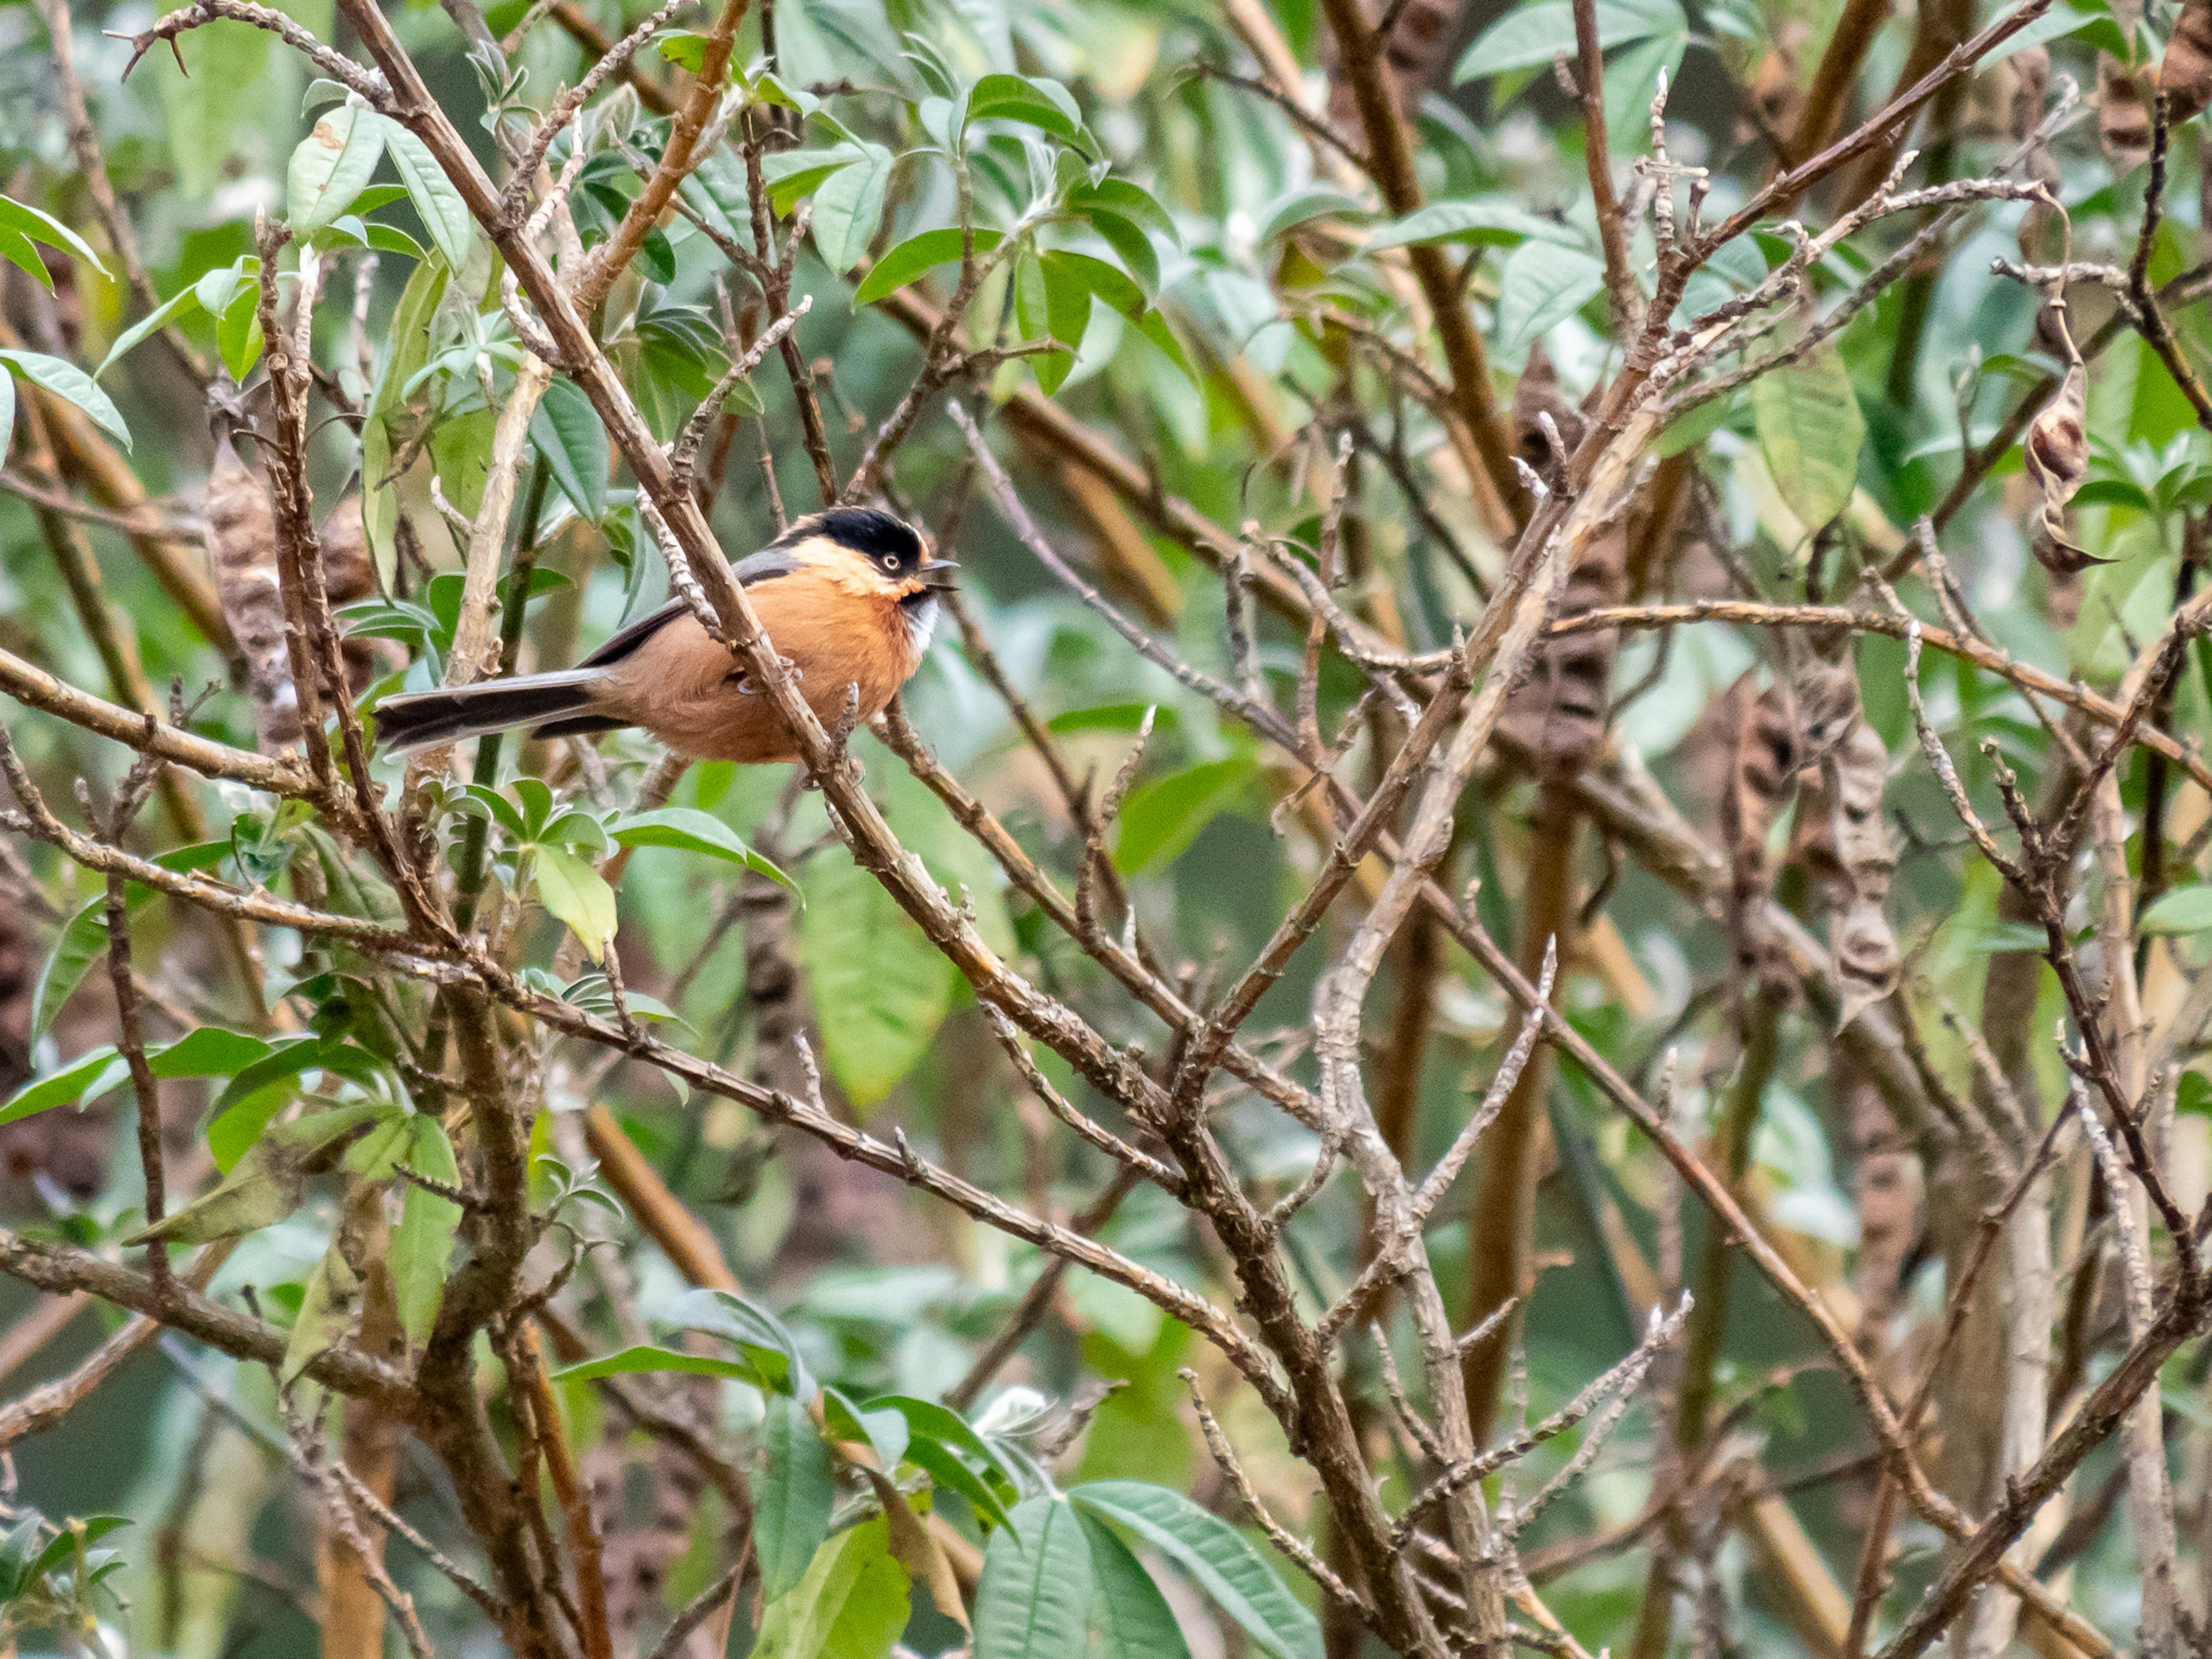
(691,830)
(791,1516)
(566,431)
(1131,1618)
(1219,1560)
(579,895)
(914,255)
(74,1082)
(650,1357)
(158,318)
(423,1243)
(1034,1601)
(325,1313)
(880,989)
(444,214)
(1543,283)
(1810,431)
(849,206)
(852,1604)
(42,227)
(332,165)
(1488,220)
(72,386)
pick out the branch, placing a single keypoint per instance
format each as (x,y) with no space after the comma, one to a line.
(59,1269)
(335,63)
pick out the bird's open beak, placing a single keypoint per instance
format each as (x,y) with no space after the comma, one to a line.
(938,573)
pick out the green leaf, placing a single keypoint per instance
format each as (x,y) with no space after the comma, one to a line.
(209,1051)
(1531,36)
(915,255)
(460,450)
(566,431)
(1162,818)
(1131,1618)
(1306,204)
(852,1603)
(1543,283)
(76,947)
(325,1313)
(758,1333)
(100,1066)
(649,1357)
(423,1243)
(390,239)
(1219,1560)
(72,386)
(884,1432)
(444,214)
(849,206)
(1133,247)
(80,944)
(579,895)
(17,250)
(237,335)
(2183,910)
(1039,103)
(945,1468)
(6,412)
(1810,429)
(332,165)
(1033,313)
(42,227)
(1132,201)
(1489,220)
(1034,1600)
(881,990)
(792,1505)
(265,1186)
(691,830)
(791,174)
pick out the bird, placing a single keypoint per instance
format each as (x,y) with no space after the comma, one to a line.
(848,597)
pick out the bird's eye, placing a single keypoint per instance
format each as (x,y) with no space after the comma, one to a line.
(891,561)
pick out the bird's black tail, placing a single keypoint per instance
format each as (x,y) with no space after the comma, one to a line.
(415,719)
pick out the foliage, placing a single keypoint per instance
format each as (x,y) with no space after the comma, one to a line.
(1601,656)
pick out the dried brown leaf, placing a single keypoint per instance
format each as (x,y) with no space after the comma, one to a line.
(2123,114)
(2185,76)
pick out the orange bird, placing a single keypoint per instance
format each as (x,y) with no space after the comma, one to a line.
(848,597)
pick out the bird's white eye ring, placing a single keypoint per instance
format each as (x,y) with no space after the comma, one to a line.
(891,561)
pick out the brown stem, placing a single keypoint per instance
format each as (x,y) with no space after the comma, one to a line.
(1390,151)
(1502,1210)
(1597,163)
(609,261)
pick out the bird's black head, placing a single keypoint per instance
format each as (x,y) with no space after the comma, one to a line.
(891,550)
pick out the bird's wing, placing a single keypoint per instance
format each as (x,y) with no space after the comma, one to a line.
(763,566)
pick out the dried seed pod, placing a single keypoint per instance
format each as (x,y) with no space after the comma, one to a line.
(242,540)
(2042,231)
(349,574)
(2031,87)
(1887,1191)
(1826,684)
(1778,91)
(1535,395)
(1844,845)
(2185,76)
(2056,453)
(1762,772)
(1559,711)
(2123,114)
